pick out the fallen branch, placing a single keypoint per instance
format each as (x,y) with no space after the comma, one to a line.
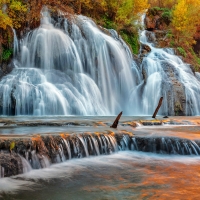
(116,121)
(158,107)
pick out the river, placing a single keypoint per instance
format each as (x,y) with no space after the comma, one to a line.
(125,174)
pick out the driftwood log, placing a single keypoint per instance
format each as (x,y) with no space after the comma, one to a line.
(115,124)
(158,107)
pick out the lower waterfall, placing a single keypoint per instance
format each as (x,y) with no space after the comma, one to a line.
(42,151)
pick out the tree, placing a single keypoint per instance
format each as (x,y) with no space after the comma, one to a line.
(5,20)
(17,12)
(185,18)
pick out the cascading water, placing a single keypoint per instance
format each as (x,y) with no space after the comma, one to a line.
(44,151)
(69,67)
(165,74)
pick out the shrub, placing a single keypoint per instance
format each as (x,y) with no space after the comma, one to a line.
(181,51)
(6,54)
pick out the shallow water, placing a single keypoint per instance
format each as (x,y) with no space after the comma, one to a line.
(183,127)
(126,175)
(121,175)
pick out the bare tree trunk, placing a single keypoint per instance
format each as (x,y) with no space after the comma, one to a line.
(158,107)
(116,121)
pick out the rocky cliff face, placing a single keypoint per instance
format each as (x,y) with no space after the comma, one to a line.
(172,69)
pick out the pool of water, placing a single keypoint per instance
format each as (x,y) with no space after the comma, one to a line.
(121,175)
(125,175)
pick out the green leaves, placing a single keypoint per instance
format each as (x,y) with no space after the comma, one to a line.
(6,54)
(181,51)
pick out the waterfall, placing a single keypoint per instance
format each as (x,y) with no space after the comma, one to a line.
(165,74)
(69,67)
(57,149)
(73,67)
(15,43)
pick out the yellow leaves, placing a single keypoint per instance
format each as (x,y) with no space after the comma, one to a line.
(193,3)
(13,15)
(185,18)
(169,3)
(140,6)
(4,20)
(124,11)
(17,6)
(12,145)
(17,11)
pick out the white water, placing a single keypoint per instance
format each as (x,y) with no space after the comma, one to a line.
(25,164)
(71,67)
(104,165)
(157,65)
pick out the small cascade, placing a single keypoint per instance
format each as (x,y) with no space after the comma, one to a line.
(26,165)
(67,145)
(166,145)
(84,144)
(38,161)
(134,144)
(95,144)
(47,150)
(15,44)
(35,163)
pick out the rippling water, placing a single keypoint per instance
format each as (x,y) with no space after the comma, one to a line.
(126,175)
(121,175)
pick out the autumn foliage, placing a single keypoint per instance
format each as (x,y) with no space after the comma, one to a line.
(120,14)
(25,14)
(186,18)
(18,13)
(183,29)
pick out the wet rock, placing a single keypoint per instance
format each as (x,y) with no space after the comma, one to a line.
(174,90)
(150,23)
(144,50)
(11,164)
(6,68)
(155,20)
(151,122)
(150,36)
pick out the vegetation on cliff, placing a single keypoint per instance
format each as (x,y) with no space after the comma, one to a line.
(22,15)
(179,18)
